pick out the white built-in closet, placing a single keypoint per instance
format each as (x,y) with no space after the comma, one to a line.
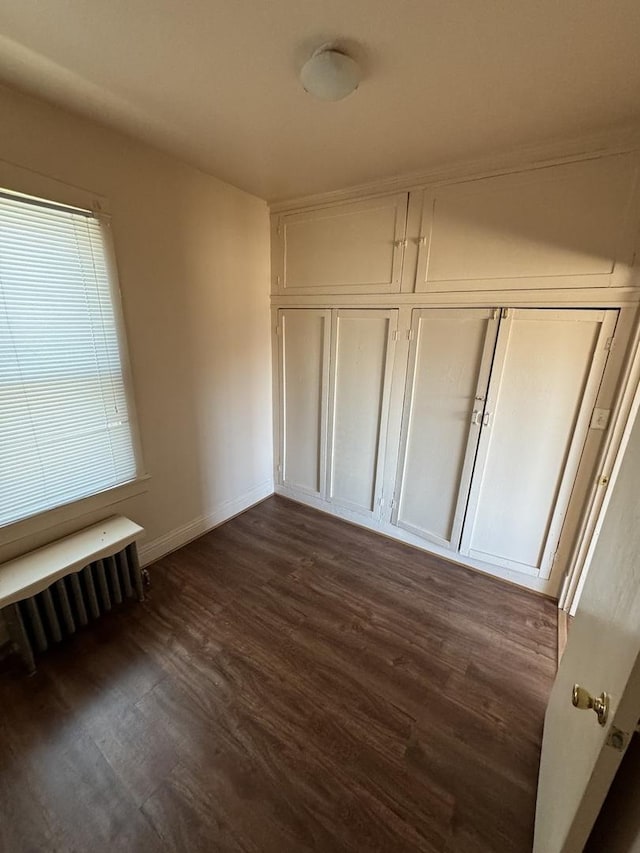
(444,357)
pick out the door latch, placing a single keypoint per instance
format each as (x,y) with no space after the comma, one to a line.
(617,739)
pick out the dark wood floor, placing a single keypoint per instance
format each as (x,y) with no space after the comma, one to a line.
(293,683)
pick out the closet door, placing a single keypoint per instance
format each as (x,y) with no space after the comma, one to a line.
(362,361)
(547,369)
(449,365)
(570,225)
(303,336)
(350,247)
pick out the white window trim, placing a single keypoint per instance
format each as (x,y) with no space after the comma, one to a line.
(123,342)
(49,518)
(17,179)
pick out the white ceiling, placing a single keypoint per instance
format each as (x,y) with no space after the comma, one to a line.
(215,81)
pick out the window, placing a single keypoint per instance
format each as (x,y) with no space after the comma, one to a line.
(65,427)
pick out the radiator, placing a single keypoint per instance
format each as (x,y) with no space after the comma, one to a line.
(72,602)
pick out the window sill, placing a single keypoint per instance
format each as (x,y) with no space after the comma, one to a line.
(72,511)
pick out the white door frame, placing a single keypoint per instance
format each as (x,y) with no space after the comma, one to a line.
(611,453)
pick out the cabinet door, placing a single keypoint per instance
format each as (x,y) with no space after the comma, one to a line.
(355,247)
(563,226)
(304,337)
(547,369)
(362,361)
(449,364)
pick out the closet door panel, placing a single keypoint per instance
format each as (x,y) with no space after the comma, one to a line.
(360,382)
(449,368)
(543,387)
(568,225)
(352,247)
(304,363)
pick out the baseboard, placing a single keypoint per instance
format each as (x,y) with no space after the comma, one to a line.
(151,551)
(530,582)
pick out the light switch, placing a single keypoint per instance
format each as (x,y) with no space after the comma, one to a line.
(600,418)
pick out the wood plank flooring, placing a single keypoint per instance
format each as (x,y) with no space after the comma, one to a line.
(292,684)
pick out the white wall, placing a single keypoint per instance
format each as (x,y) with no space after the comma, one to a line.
(193,260)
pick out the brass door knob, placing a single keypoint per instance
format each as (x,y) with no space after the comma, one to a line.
(583,700)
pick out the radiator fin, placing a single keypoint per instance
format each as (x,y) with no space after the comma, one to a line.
(51,616)
(135,571)
(65,607)
(115,579)
(33,620)
(92,596)
(123,565)
(78,599)
(103,586)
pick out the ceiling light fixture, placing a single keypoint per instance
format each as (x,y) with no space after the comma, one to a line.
(330,74)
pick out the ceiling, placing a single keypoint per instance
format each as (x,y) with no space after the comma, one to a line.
(217,82)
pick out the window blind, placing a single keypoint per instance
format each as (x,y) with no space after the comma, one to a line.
(65,432)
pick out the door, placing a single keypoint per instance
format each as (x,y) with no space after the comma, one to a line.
(449,364)
(351,247)
(546,372)
(361,366)
(579,756)
(569,225)
(303,340)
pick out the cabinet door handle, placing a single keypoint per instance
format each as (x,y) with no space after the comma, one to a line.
(486,419)
(476,418)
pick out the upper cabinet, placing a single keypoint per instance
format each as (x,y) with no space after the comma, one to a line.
(566,226)
(569,226)
(350,248)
